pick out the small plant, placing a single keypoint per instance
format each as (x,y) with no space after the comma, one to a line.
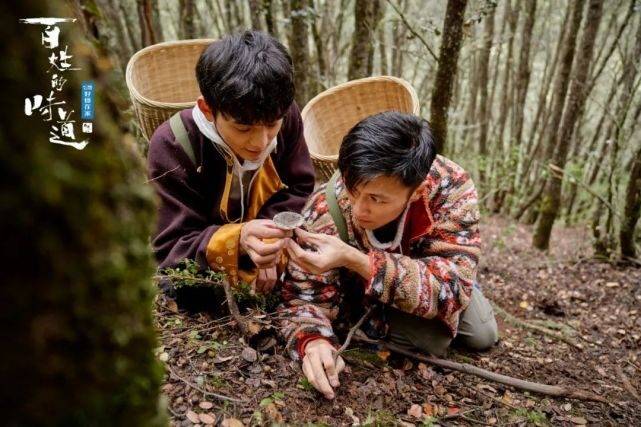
(380,418)
(190,274)
(277,396)
(304,384)
(428,421)
(535,417)
(217,381)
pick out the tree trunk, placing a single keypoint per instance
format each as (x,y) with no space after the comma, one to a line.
(631,209)
(320,52)
(149,21)
(365,20)
(541,116)
(550,204)
(76,308)
(502,159)
(256,14)
(187,23)
(299,48)
(446,72)
(523,73)
(398,40)
(522,82)
(270,18)
(382,45)
(512,19)
(483,76)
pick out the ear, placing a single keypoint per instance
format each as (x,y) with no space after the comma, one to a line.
(208,112)
(418,192)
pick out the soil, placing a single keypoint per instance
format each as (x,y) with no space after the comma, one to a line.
(597,305)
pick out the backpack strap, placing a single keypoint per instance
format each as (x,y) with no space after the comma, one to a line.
(178,128)
(334,210)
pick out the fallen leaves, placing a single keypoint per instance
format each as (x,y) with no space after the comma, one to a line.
(207,418)
(205,405)
(579,420)
(249,354)
(415,411)
(192,416)
(231,422)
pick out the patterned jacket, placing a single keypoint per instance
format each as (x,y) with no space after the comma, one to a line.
(431,277)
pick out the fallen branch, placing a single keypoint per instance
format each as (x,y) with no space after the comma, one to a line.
(204,392)
(549,390)
(523,324)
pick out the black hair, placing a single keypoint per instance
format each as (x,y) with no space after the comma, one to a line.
(387,144)
(248,77)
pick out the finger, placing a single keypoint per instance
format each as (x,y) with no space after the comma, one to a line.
(262,261)
(296,252)
(327,358)
(267,229)
(309,372)
(321,377)
(270,279)
(264,248)
(260,281)
(306,236)
(340,365)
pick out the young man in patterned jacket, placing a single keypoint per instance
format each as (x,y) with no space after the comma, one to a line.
(410,219)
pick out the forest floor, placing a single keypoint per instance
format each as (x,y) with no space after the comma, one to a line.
(596,306)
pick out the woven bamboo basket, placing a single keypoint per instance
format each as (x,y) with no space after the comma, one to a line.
(162,80)
(331,114)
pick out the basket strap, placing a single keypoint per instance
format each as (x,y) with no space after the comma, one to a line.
(178,128)
(334,210)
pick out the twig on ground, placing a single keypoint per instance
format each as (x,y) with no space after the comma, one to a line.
(494,398)
(626,383)
(351,332)
(204,392)
(550,390)
(522,323)
(247,327)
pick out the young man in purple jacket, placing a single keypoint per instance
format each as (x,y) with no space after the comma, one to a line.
(224,168)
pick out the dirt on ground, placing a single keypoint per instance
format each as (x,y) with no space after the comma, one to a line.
(591,312)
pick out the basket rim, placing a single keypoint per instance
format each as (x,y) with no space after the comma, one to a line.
(416,108)
(135,94)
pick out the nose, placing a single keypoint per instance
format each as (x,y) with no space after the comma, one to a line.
(360,209)
(261,141)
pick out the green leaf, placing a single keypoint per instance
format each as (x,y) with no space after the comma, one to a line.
(266,401)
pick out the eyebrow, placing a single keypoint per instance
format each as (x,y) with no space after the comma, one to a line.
(380,196)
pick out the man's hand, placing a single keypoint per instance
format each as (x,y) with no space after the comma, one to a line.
(319,367)
(330,252)
(266,279)
(263,254)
